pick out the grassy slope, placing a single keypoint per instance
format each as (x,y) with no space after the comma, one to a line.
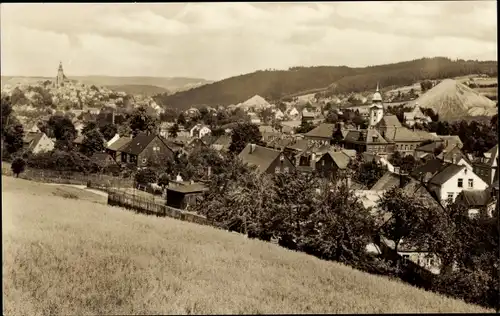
(62,257)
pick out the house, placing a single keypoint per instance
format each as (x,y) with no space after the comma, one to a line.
(416,116)
(146,148)
(33,128)
(199,130)
(308,116)
(78,142)
(486,166)
(322,133)
(184,195)
(37,142)
(279,115)
(113,149)
(478,202)
(449,140)
(292,113)
(367,140)
(164,128)
(447,180)
(454,154)
(332,161)
(401,138)
(254,118)
(266,160)
(267,129)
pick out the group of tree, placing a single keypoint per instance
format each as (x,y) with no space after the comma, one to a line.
(280,83)
(477,137)
(11,129)
(347,116)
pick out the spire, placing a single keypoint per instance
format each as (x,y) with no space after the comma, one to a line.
(60,65)
(377,87)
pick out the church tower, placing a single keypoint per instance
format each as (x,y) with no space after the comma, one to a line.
(377,108)
(60,76)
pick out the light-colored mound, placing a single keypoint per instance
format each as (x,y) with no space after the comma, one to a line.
(256,101)
(451,100)
(76,257)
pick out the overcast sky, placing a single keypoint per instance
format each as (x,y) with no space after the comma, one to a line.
(219,40)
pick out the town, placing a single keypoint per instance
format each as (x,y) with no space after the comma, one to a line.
(394,180)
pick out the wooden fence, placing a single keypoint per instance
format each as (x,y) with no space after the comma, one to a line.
(151,207)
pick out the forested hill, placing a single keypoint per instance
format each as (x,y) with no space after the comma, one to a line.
(276,84)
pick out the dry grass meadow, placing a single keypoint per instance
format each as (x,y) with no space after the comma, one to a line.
(66,252)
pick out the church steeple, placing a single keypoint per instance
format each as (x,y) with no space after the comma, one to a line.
(60,76)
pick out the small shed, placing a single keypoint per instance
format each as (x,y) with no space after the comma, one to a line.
(183,195)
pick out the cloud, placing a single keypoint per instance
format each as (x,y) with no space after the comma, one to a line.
(217,40)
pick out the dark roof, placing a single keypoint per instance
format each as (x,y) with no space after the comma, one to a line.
(139,143)
(389,120)
(119,143)
(432,166)
(189,188)
(446,174)
(323,130)
(477,197)
(299,145)
(368,135)
(388,181)
(429,148)
(261,157)
(340,158)
(209,139)
(402,134)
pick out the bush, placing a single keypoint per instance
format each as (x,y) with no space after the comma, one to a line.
(18,166)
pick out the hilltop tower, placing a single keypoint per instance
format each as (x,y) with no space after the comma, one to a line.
(377,108)
(60,76)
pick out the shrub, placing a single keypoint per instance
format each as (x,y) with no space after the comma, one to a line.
(18,166)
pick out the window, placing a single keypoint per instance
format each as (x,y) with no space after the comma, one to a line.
(277,170)
(460,183)
(471,183)
(285,170)
(450,195)
(144,160)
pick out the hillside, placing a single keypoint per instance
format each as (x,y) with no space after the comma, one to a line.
(452,100)
(135,89)
(277,84)
(66,257)
(170,84)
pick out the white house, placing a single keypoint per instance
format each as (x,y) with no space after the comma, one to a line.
(278,114)
(447,180)
(37,142)
(292,113)
(199,131)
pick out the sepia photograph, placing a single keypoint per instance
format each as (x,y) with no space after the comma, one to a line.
(218,158)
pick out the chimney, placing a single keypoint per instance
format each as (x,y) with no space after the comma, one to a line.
(349,182)
(113,117)
(358,127)
(252,148)
(191,182)
(209,171)
(396,170)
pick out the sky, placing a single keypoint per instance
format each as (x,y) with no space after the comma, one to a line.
(219,40)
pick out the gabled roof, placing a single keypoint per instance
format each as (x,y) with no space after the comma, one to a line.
(452,139)
(477,197)
(261,157)
(448,154)
(445,174)
(426,135)
(433,166)
(402,134)
(79,139)
(101,157)
(223,140)
(119,143)
(323,130)
(389,121)
(267,129)
(340,159)
(188,188)
(31,139)
(368,135)
(429,148)
(139,143)
(299,145)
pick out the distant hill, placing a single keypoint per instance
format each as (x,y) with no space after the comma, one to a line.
(170,84)
(276,84)
(135,89)
(453,100)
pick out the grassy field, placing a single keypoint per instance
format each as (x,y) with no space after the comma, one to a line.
(68,256)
